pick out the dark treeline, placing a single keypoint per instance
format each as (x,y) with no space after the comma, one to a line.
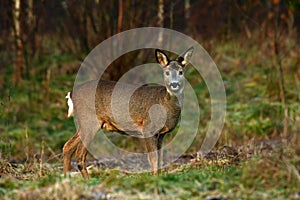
(35,28)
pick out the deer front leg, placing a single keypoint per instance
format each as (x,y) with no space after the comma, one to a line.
(151,146)
(68,150)
(80,156)
(160,138)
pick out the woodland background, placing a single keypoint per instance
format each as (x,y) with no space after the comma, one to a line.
(254,43)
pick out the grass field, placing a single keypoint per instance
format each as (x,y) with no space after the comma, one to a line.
(252,159)
(257,171)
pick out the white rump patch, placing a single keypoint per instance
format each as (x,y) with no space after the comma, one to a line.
(70,105)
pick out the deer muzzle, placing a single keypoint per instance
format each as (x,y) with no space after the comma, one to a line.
(174,85)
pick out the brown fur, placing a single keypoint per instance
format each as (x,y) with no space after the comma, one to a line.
(92,107)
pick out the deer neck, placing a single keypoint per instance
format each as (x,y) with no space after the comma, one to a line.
(175,99)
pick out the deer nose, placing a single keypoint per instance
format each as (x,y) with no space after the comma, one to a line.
(174,85)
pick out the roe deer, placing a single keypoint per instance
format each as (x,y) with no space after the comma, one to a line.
(170,97)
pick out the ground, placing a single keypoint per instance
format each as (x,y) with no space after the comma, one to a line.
(261,169)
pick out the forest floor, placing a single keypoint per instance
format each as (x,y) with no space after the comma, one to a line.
(257,170)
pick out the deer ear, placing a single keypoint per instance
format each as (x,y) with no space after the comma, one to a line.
(161,58)
(185,57)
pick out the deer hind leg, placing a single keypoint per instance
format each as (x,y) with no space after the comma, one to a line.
(151,146)
(68,150)
(88,129)
(80,155)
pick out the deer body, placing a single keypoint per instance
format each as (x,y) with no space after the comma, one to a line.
(145,119)
(138,107)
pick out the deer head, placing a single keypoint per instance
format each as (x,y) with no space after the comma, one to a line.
(174,70)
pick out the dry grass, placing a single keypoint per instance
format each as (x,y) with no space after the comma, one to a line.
(259,169)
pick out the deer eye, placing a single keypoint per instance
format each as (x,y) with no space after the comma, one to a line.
(167,73)
(180,73)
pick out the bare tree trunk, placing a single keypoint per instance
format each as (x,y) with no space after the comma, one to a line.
(30,44)
(19,43)
(187,16)
(85,33)
(171,14)
(187,12)
(160,16)
(160,13)
(120,16)
(278,65)
(30,12)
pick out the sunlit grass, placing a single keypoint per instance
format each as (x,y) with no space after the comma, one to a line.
(266,176)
